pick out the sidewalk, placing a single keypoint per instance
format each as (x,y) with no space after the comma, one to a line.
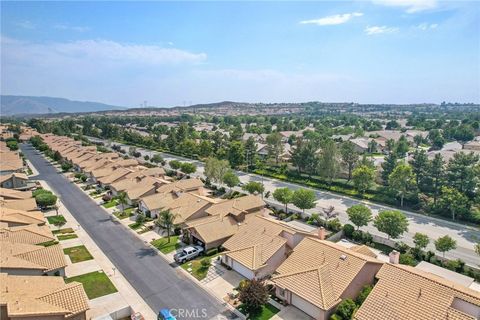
(126,293)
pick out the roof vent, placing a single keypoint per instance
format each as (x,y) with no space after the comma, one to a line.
(343,257)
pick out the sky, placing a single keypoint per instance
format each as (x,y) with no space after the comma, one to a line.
(182,53)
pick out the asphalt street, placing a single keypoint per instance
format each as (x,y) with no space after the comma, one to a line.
(160,285)
(465,236)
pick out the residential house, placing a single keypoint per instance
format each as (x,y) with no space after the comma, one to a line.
(115,176)
(32,260)
(10,194)
(13,217)
(21,204)
(144,187)
(27,234)
(10,161)
(472,145)
(404,292)
(14,181)
(319,274)
(223,220)
(41,298)
(260,245)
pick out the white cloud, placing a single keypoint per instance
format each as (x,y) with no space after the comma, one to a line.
(25,24)
(410,6)
(71,28)
(425,26)
(380,30)
(98,52)
(333,20)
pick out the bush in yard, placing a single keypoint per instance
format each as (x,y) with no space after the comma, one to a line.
(346,308)
(83,178)
(363,294)
(106,197)
(407,259)
(357,236)
(57,156)
(46,200)
(140,218)
(39,192)
(66,166)
(175,164)
(334,225)
(205,262)
(146,157)
(12,145)
(348,230)
(188,167)
(253,294)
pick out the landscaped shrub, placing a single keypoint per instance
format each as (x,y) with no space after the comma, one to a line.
(357,236)
(212,252)
(348,230)
(407,259)
(106,197)
(66,166)
(206,262)
(334,225)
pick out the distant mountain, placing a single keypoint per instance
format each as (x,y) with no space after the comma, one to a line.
(24,105)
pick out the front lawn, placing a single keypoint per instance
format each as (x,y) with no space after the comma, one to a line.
(164,246)
(56,219)
(125,214)
(96,284)
(198,271)
(265,313)
(136,225)
(62,237)
(63,231)
(78,254)
(110,204)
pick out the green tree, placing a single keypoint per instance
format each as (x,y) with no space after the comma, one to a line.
(477,248)
(363,178)
(464,133)
(436,139)
(175,164)
(359,215)
(304,199)
(421,240)
(253,294)
(418,140)
(236,154)
(254,187)
(436,172)
(250,152)
(445,244)
(328,160)
(205,148)
(231,179)
(388,166)
(392,222)
(215,169)
(304,156)
(346,309)
(166,219)
(453,202)
(461,173)
(122,200)
(57,156)
(401,147)
(420,166)
(45,200)
(284,196)
(275,146)
(12,145)
(188,167)
(349,157)
(157,158)
(402,180)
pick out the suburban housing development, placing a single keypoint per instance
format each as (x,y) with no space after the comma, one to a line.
(233,239)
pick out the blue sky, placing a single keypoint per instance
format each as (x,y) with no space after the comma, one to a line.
(171,53)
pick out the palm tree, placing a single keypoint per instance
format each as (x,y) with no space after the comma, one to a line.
(122,199)
(166,219)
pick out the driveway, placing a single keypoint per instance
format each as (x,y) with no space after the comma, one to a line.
(153,278)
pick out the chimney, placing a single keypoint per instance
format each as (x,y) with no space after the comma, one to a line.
(321,233)
(394,257)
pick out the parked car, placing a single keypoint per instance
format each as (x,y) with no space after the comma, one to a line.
(165,314)
(188,253)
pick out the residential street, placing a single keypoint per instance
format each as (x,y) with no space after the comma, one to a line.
(465,236)
(160,285)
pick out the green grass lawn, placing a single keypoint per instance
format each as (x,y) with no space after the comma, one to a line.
(198,271)
(265,313)
(164,246)
(56,219)
(135,225)
(78,254)
(96,284)
(67,236)
(110,204)
(63,231)
(125,214)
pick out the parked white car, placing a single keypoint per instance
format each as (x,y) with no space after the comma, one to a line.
(187,253)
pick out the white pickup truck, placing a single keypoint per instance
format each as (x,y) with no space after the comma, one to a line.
(187,253)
